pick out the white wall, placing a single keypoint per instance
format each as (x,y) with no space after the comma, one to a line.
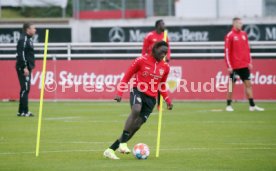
(195,8)
(241,8)
(222,9)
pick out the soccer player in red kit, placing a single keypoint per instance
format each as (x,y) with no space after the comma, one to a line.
(156,36)
(153,37)
(239,62)
(151,73)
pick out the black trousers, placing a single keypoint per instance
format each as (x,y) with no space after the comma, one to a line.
(25,82)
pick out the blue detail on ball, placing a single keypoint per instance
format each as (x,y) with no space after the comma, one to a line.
(138,156)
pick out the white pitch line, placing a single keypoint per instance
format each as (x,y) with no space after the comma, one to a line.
(205,148)
(168,149)
(125,115)
(184,122)
(154,113)
(51,151)
(80,142)
(225,122)
(95,121)
(257,144)
(216,110)
(78,119)
(62,118)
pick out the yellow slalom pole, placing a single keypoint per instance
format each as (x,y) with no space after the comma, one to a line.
(42,93)
(160,111)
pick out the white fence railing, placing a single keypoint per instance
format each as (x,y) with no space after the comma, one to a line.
(68,48)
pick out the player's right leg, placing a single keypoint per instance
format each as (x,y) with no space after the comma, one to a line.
(231,83)
(25,84)
(131,124)
(21,79)
(110,153)
(121,143)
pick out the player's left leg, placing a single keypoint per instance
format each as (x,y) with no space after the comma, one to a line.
(249,94)
(158,100)
(245,76)
(248,90)
(21,79)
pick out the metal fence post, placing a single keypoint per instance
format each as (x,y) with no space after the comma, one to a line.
(0,9)
(69,51)
(149,8)
(170,7)
(76,9)
(63,12)
(123,8)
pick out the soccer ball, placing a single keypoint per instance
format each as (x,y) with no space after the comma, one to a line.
(141,151)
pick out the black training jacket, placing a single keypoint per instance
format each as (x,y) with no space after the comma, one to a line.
(25,52)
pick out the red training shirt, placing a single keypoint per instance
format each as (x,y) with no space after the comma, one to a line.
(148,73)
(236,49)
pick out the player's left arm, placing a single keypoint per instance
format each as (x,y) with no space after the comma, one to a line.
(163,90)
(250,65)
(145,45)
(168,57)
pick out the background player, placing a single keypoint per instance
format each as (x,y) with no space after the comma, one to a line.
(25,63)
(153,37)
(239,62)
(151,73)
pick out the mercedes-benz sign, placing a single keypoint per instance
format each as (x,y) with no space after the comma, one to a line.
(253,32)
(116,34)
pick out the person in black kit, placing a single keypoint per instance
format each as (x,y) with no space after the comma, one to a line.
(25,63)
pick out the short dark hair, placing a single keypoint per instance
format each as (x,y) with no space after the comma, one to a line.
(26,26)
(158,22)
(236,18)
(159,44)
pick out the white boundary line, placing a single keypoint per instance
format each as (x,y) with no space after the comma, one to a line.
(165,149)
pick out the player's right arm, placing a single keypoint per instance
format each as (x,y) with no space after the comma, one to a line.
(123,85)
(227,50)
(21,59)
(250,65)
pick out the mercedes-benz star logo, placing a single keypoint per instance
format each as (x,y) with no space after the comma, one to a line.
(116,34)
(253,32)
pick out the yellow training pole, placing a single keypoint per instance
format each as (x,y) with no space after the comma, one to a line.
(42,93)
(160,111)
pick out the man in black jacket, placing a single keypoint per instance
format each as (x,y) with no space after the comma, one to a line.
(25,62)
